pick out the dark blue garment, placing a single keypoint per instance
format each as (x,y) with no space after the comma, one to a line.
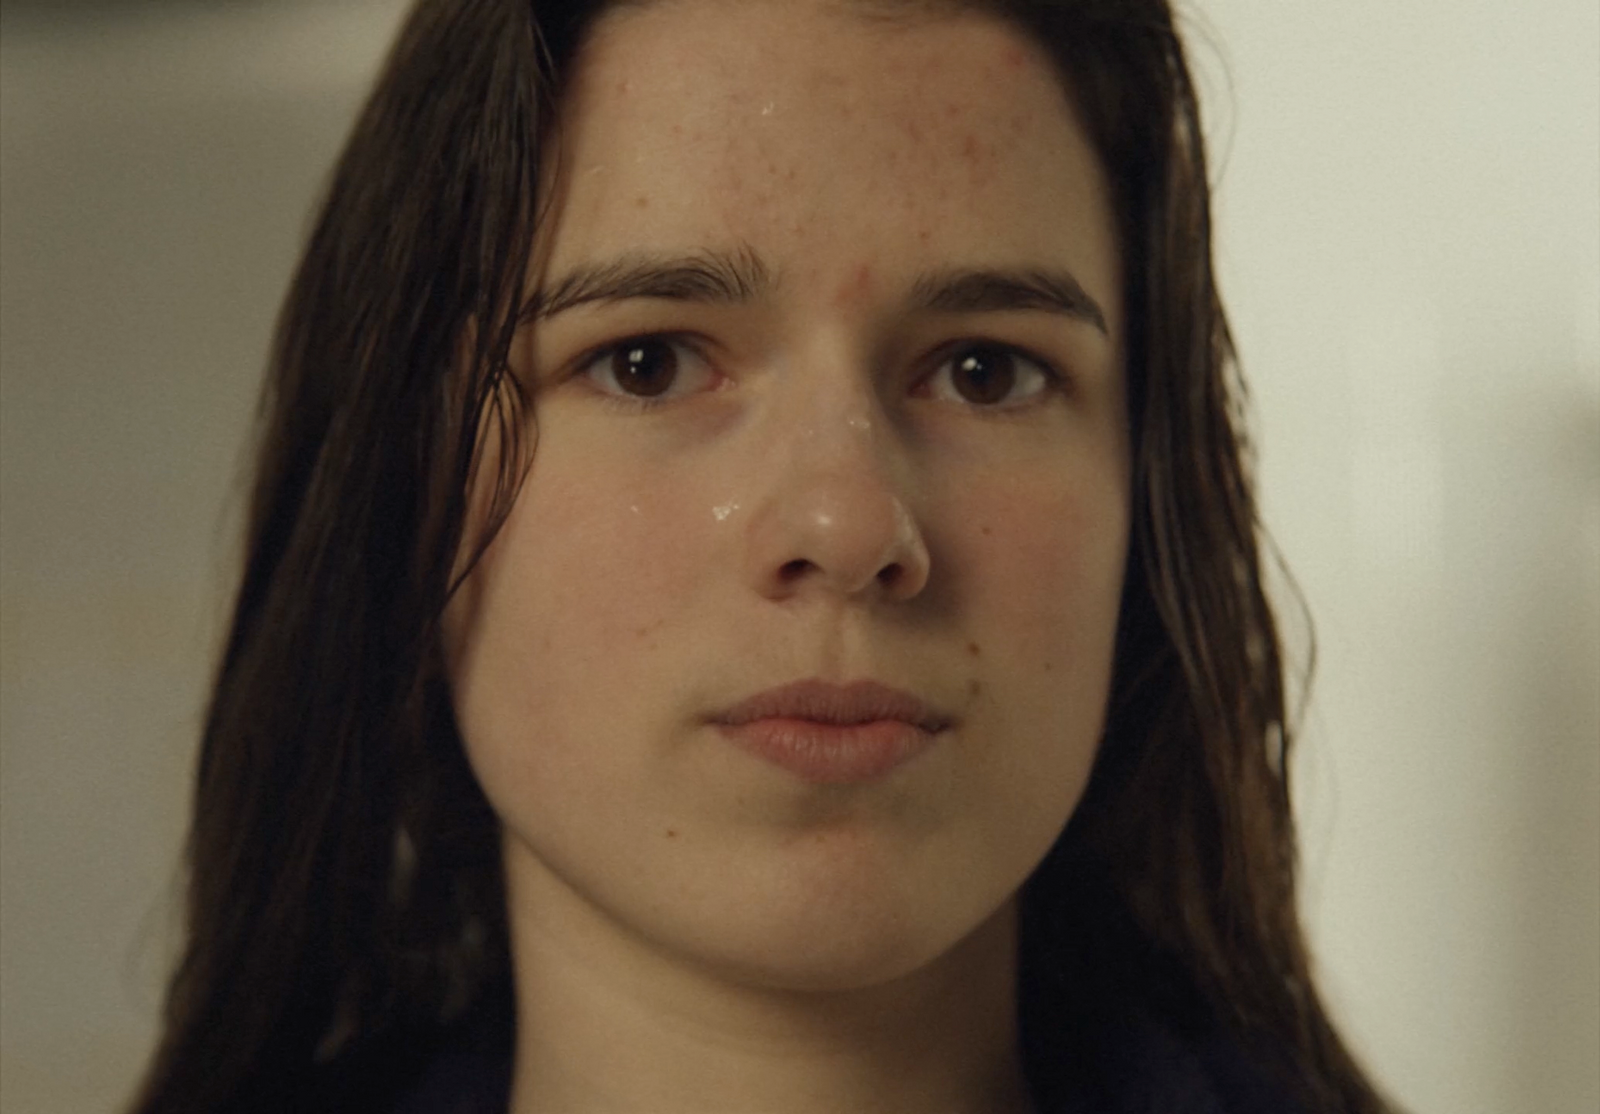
(1147,1071)
(1144,1068)
(463,1081)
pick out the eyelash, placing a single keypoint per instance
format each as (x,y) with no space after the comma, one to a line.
(1055,381)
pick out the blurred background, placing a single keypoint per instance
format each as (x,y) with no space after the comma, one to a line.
(1409,239)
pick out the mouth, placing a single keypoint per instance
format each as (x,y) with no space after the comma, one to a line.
(829,734)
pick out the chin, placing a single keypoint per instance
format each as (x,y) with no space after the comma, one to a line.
(832,964)
(832,947)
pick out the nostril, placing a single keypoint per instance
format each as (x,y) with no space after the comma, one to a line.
(794,569)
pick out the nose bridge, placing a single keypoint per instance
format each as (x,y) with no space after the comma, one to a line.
(831,432)
(837,505)
(836,418)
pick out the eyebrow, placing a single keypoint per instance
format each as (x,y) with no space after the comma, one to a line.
(740,276)
(1004,290)
(708,276)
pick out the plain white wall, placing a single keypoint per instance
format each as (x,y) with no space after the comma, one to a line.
(1409,237)
(1409,213)
(156,175)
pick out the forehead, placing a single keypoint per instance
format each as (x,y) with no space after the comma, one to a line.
(832,51)
(796,126)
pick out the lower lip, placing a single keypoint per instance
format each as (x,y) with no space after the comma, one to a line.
(825,754)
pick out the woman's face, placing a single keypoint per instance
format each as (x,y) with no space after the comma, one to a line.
(828,383)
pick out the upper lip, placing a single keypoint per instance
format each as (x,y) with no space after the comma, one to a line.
(840,705)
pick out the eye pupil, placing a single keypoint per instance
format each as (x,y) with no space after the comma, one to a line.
(645,367)
(985,374)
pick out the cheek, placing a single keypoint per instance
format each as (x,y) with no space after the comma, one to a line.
(1037,554)
(602,561)
(1045,570)
(567,620)
(1046,565)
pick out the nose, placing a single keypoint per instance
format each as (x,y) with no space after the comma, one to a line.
(833,517)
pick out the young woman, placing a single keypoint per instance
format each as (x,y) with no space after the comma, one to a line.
(752,598)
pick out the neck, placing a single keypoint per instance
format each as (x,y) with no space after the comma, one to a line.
(605,1023)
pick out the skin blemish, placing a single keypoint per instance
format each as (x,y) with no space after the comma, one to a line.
(980,157)
(857,287)
(987,531)
(641,202)
(974,687)
(972,648)
(1047,667)
(671,834)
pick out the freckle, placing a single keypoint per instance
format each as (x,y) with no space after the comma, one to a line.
(671,834)
(642,202)
(1047,667)
(987,531)
(677,129)
(974,688)
(972,648)
(923,235)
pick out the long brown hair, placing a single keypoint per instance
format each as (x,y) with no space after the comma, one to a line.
(345,906)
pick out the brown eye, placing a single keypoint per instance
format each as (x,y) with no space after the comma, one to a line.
(644,368)
(643,372)
(984,375)
(993,377)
